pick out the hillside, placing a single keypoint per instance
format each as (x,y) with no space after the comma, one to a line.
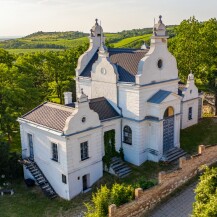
(43,41)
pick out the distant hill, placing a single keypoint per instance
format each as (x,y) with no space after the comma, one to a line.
(42,41)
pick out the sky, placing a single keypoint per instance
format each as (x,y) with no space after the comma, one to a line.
(23,17)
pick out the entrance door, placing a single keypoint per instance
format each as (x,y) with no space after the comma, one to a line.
(31,151)
(168,134)
(84,179)
(168,130)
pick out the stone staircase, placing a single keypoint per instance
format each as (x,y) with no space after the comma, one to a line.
(173,154)
(119,167)
(39,178)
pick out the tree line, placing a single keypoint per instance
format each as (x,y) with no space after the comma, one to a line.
(29,79)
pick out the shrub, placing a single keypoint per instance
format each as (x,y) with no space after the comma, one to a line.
(121,194)
(206,195)
(145,184)
(100,203)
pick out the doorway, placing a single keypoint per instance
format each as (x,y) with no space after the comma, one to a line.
(168,129)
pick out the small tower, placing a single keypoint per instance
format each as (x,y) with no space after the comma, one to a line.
(159,33)
(190,78)
(96,35)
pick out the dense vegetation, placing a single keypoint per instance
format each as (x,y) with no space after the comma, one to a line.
(206,195)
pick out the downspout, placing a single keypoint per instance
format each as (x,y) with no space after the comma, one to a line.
(121,112)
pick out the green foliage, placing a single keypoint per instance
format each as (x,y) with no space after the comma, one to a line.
(118,194)
(121,193)
(29,79)
(121,153)
(144,184)
(109,144)
(206,195)
(100,203)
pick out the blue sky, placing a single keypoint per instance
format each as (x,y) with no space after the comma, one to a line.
(22,17)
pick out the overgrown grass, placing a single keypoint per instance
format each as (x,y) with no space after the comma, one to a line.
(205,132)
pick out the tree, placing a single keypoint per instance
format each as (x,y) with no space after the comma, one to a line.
(206,195)
(195,48)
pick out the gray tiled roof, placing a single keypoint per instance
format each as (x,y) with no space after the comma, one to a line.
(103,108)
(50,115)
(159,96)
(126,61)
(54,116)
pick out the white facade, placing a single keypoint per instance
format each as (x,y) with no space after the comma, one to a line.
(147,112)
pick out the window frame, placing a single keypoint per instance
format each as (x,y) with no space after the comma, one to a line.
(64,180)
(84,150)
(190,113)
(127,135)
(55,156)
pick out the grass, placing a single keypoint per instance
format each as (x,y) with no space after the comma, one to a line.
(31,202)
(19,51)
(205,132)
(127,41)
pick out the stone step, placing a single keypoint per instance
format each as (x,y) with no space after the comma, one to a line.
(124,174)
(123,166)
(176,157)
(124,170)
(173,154)
(176,154)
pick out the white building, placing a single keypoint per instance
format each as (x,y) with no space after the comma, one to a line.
(134,92)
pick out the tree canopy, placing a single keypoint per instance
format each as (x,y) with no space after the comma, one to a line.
(206,195)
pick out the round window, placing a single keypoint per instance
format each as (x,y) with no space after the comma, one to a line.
(83,119)
(160,63)
(103,71)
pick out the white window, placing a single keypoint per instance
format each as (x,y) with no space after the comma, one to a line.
(54,152)
(84,150)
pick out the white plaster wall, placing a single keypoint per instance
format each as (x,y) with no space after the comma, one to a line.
(42,155)
(92,166)
(133,99)
(85,84)
(94,139)
(135,153)
(75,179)
(185,106)
(74,122)
(104,84)
(148,70)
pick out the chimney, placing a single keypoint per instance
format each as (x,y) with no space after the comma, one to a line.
(68,98)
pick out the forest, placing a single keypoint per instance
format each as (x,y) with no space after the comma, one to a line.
(28,79)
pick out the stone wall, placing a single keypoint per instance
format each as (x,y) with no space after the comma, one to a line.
(168,183)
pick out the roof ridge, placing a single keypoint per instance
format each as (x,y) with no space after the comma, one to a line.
(34,109)
(61,105)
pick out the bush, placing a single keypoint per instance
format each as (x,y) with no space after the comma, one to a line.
(206,195)
(100,203)
(145,184)
(121,194)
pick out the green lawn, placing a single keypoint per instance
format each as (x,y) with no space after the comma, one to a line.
(204,133)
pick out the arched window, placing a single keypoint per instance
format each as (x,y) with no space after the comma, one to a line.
(169,112)
(127,135)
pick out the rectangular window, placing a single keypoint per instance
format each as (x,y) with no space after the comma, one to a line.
(63,178)
(190,113)
(31,151)
(54,152)
(84,150)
